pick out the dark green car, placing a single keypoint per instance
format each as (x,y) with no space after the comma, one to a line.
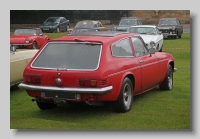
(55,24)
(127,22)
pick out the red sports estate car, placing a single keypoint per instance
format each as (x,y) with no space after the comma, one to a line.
(96,67)
(30,38)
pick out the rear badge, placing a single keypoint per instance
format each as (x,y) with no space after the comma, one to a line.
(58,73)
(58,81)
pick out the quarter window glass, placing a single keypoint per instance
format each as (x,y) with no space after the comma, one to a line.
(40,31)
(122,49)
(139,47)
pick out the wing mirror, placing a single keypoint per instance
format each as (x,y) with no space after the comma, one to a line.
(152,51)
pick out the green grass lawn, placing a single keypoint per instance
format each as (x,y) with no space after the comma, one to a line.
(153,110)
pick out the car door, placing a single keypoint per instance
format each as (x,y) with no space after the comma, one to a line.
(148,63)
(63,24)
(179,27)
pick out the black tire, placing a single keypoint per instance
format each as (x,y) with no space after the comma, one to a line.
(45,105)
(125,99)
(13,48)
(179,36)
(167,84)
(34,46)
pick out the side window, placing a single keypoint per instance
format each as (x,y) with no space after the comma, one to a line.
(99,24)
(139,47)
(122,49)
(40,32)
(61,20)
(178,22)
(64,19)
(157,30)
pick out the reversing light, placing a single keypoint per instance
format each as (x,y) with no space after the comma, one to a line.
(33,80)
(88,82)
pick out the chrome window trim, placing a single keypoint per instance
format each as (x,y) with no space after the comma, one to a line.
(68,69)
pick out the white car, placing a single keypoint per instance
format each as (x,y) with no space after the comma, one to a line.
(18,60)
(150,34)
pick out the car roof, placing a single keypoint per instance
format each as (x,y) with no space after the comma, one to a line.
(168,18)
(27,28)
(97,36)
(101,33)
(145,26)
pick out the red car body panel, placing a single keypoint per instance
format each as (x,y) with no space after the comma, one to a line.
(19,39)
(111,71)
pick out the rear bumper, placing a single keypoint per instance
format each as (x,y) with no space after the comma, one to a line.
(103,90)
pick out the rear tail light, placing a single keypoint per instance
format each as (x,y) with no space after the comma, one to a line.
(88,83)
(32,80)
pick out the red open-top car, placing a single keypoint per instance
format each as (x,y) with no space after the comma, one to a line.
(96,67)
(29,38)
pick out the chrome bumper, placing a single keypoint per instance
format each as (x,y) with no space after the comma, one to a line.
(103,90)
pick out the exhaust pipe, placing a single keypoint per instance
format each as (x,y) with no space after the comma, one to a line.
(34,99)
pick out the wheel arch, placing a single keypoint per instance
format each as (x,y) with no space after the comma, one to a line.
(130,76)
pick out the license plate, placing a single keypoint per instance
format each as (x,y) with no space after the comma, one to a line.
(45,29)
(170,32)
(60,95)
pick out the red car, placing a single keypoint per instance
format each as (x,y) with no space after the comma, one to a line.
(96,67)
(29,38)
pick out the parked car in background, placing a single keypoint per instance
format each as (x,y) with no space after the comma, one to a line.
(18,61)
(95,68)
(170,27)
(55,24)
(28,38)
(150,34)
(127,22)
(88,26)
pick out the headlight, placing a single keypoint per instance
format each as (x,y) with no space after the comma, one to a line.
(27,41)
(152,43)
(173,28)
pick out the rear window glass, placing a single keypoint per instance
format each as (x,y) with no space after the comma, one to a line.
(69,56)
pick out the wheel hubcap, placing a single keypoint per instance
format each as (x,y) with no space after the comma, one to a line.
(170,80)
(127,95)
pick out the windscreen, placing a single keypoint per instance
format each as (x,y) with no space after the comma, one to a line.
(69,56)
(127,22)
(167,22)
